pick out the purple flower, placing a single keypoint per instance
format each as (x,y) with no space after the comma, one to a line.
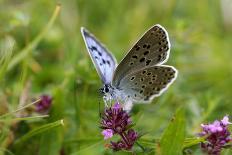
(127,141)
(44,105)
(115,120)
(217,136)
(116,146)
(116,106)
(107,133)
(225,120)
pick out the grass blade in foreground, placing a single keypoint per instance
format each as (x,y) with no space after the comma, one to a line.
(6,51)
(23,118)
(171,142)
(13,112)
(40,130)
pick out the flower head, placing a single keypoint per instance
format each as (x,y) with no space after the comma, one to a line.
(44,105)
(127,142)
(217,136)
(117,121)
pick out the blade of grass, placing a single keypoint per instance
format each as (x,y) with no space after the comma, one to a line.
(5,151)
(39,130)
(6,50)
(25,51)
(11,113)
(23,118)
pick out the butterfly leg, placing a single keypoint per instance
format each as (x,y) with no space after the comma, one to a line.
(105,99)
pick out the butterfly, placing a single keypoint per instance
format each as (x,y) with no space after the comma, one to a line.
(141,75)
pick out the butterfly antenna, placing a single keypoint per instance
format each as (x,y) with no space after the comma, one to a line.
(99,109)
(99,104)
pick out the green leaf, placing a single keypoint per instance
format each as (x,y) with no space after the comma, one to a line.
(83,140)
(51,142)
(189,142)
(39,130)
(172,140)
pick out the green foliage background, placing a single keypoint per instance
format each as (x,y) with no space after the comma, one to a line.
(60,66)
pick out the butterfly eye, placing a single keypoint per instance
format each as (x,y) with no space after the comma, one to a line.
(106,89)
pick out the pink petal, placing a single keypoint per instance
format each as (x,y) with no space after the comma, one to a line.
(225,120)
(116,106)
(107,133)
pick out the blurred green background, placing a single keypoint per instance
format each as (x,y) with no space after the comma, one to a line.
(201,38)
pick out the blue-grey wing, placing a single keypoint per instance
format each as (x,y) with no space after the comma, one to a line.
(145,84)
(151,49)
(103,60)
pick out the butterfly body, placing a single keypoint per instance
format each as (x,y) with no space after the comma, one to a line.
(141,75)
(109,93)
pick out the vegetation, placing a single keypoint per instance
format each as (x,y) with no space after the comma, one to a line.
(42,52)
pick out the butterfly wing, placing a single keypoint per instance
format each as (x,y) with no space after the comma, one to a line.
(152,49)
(103,60)
(145,84)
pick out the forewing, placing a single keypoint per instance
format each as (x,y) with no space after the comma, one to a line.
(145,84)
(152,49)
(104,61)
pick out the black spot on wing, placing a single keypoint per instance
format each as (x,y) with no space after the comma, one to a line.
(146,52)
(148,62)
(93,48)
(108,62)
(135,56)
(142,59)
(99,53)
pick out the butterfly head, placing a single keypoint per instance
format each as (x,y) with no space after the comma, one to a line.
(105,89)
